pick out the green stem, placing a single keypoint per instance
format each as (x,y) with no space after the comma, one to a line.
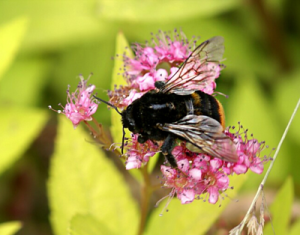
(146,192)
(102,137)
(261,186)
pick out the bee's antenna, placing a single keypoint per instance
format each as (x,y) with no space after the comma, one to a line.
(109,104)
(123,139)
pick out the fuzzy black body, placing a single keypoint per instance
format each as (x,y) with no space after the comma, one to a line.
(154,109)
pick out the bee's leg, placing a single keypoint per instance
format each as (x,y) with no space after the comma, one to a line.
(167,148)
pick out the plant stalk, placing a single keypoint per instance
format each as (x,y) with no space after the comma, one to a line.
(146,192)
(261,186)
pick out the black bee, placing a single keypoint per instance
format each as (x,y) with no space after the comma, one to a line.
(177,109)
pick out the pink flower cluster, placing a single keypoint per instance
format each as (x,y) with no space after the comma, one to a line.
(157,62)
(196,174)
(138,154)
(200,173)
(80,106)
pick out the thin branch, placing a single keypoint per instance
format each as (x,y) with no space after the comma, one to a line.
(102,137)
(260,188)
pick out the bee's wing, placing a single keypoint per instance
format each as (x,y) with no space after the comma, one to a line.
(199,68)
(206,134)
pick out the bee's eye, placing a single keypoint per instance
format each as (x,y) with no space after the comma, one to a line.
(129,108)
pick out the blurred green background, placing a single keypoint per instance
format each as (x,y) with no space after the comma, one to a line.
(45,45)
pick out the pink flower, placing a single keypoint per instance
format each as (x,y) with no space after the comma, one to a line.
(160,75)
(198,174)
(190,182)
(180,182)
(215,182)
(186,196)
(138,154)
(146,58)
(132,97)
(80,106)
(195,176)
(146,82)
(248,152)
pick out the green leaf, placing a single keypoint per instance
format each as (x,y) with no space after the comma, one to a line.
(82,180)
(152,162)
(11,35)
(19,127)
(194,218)
(116,128)
(166,11)
(29,93)
(281,209)
(87,225)
(122,47)
(10,228)
(54,24)
(118,79)
(295,229)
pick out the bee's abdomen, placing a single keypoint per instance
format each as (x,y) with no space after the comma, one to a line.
(208,105)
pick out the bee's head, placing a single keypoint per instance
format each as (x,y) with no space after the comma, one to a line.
(128,119)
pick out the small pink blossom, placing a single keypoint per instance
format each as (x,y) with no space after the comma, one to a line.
(216,163)
(139,154)
(183,165)
(195,174)
(146,82)
(160,75)
(133,161)
(171,51)
(146,58)
(186,196)
(168,172)
(180,183)
(80,105)
(248,152)
(257,166)
(132,97)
